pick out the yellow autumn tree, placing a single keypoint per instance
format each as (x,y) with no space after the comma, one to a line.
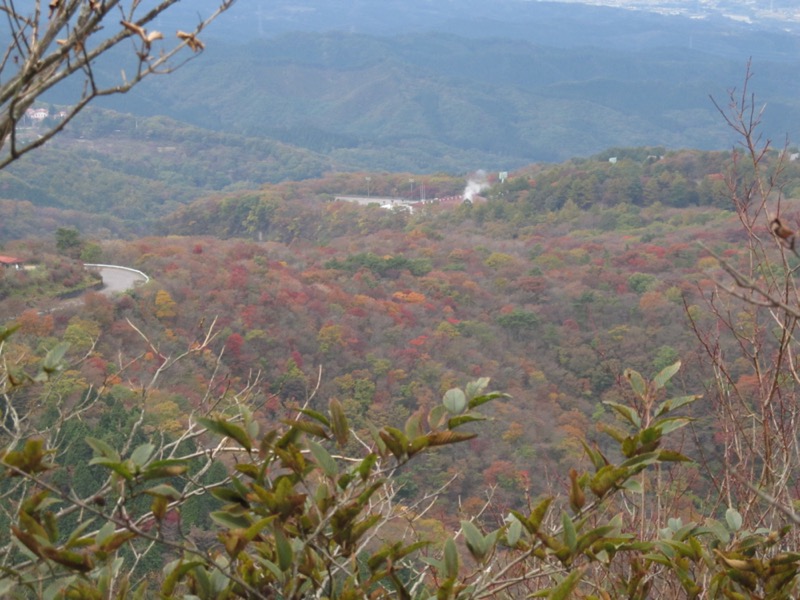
(166,308)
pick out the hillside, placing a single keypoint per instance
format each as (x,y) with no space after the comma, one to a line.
(552,283)
(112,174)
(549,295)
(627,179)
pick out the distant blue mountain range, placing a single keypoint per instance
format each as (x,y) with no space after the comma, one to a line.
(455,85)
(546,23)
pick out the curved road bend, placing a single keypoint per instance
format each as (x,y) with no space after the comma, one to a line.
(118,280)
(115,280)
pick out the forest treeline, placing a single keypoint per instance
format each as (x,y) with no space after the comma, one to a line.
(623,180)
(113,175)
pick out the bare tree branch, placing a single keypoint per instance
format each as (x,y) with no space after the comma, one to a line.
(61,42)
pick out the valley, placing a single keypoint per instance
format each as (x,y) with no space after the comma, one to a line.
(456,300)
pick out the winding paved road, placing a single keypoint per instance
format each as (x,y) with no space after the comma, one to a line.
(119,279)
(115,279)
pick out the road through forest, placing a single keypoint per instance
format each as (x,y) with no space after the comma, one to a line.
(119,279)
(115,280)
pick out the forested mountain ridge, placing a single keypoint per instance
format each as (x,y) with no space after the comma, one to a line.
(603,24)
(114,174)
(626,177)
(444,102)
(461,86)
(298,104)
(165,177)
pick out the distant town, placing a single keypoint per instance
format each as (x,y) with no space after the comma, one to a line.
(746,11)
(37,115)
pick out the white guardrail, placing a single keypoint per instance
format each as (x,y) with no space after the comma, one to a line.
(137,271)
(130,270)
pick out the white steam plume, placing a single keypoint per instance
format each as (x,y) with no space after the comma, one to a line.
(475,185)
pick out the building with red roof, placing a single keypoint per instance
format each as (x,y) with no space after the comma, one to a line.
(11,262)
